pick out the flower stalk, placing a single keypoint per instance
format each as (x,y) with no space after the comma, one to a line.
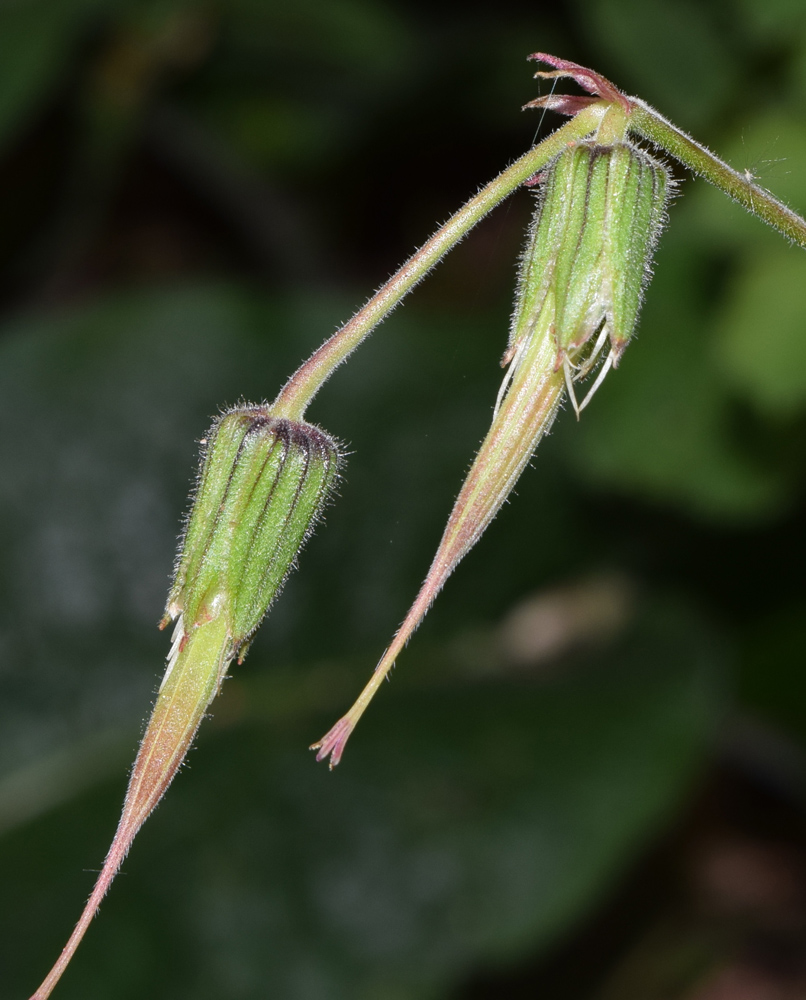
(309,378)
(648,124)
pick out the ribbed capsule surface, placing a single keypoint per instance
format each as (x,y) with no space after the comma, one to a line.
(590,248)
(638,191)
(261,487)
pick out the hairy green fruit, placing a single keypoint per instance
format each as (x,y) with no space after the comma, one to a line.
(261,488)
(589,252)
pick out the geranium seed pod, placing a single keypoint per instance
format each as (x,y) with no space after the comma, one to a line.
(261,488)
(595,228)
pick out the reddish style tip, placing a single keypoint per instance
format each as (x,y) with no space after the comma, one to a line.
(333,743)
(588,79)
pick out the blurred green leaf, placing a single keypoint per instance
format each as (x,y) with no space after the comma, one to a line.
(361,37)
(466,827)
(289,84)
(95,470)
(775,20)
(761,344)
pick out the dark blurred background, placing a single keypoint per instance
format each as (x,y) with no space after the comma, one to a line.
(588,779)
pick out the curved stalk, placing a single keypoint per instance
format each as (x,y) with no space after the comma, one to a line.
(646,122)
(311,376)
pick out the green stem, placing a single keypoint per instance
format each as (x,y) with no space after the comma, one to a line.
(645,121)
(613,127)
(309,377)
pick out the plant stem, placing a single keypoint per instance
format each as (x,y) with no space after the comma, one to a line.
(309,377)
(191,686)
(645,121)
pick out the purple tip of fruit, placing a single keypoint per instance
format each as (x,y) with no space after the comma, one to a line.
(333,743)
(563,104)
(593,82)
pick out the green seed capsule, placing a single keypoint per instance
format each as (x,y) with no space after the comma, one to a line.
(261,487)
(590,249)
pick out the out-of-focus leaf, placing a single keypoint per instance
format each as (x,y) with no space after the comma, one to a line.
(360,36)
(773,21)
(762,332)
(272,130)
(463,829)
(470,824)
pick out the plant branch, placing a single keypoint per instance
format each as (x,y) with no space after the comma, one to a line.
(645,121)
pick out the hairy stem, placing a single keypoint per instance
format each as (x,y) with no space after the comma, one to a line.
(309,377)
(176,716)
(645,121)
